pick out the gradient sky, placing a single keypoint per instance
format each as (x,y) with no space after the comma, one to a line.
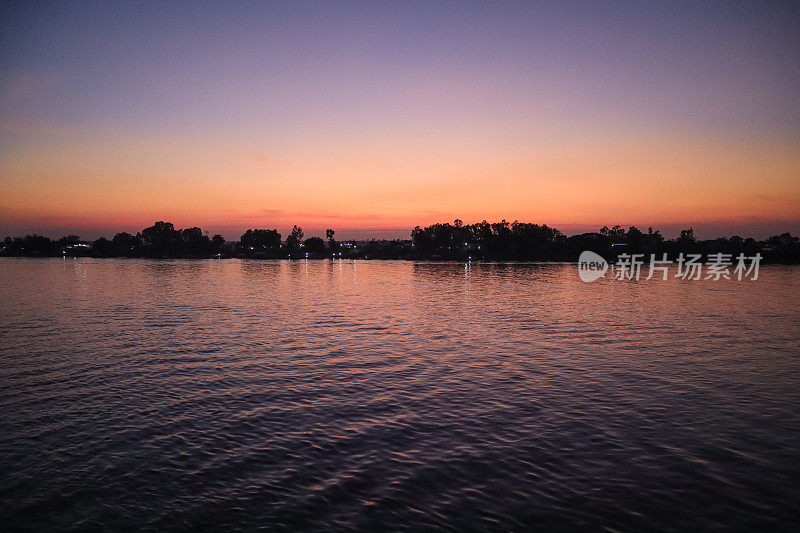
(379,116)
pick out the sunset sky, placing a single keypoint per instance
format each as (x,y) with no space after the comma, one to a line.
(374,117)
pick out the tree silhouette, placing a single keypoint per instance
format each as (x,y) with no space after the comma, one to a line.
(126,245)
(261,239)
(218,245)
(162,240)
(195,244)
(102,247)
(314,246)
(333,246)
(294,239)
(687,235)
(499,241)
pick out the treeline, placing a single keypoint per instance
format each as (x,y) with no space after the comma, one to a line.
(163,240)
(499,241)
(520,241)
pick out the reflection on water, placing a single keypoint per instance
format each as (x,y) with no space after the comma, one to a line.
(374,395)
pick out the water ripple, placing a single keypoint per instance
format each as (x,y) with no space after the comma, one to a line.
(243,395)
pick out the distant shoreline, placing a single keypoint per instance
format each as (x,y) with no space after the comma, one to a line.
(498,242)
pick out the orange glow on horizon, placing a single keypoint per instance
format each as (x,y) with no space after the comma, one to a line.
(123,180)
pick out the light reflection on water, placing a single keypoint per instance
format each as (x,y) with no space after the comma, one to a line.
(374,395)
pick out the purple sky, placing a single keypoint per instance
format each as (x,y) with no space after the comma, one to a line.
(376,116)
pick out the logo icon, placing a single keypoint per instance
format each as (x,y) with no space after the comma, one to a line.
(591,266)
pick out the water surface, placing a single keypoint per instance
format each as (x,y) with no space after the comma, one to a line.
(394,395)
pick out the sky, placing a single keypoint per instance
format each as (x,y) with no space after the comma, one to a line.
(374,117)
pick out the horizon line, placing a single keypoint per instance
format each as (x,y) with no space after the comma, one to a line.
(760,228)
